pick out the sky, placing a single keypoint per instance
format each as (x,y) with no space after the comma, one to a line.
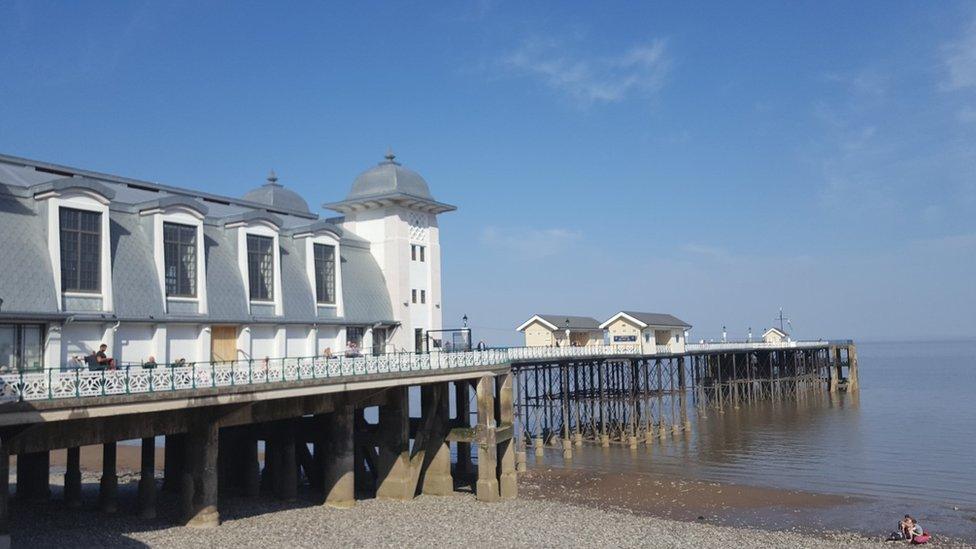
(717,162)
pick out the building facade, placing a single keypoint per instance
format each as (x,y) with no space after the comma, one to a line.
(653,332)
(176,274)
(561,330)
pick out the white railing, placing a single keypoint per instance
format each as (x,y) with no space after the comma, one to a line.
(73,383)
(662,349)
(744,346)
(55,384)
(528,353)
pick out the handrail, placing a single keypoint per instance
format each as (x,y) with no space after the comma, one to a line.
(52,384)
(57,383)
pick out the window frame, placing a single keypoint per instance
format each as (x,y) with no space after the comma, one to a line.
(19,345)
(269,286)
(79,231)
(193,280)
(316,246)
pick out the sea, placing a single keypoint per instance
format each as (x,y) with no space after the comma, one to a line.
(904,443)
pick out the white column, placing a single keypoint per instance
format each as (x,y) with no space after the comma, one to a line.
(280,342)
(203,343)
(160,349)
(244,340)
(312,341)
(52,347)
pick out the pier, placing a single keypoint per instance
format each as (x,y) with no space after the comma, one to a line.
(310,414)
(625,397)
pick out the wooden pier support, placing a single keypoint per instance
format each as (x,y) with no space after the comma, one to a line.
(199,477)
(393,479)
(337,460)
(72,478)
(108,486)
(147,479)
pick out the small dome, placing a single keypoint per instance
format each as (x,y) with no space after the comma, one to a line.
(274,195)
(389,177)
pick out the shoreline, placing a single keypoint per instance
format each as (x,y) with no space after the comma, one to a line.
(765,514)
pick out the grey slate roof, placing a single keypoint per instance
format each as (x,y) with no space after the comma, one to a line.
(26,279)
(364,295)
(658,319)
(575,322)
(389,176)
(226,299)
(135,283)
(277,196)
(26,276)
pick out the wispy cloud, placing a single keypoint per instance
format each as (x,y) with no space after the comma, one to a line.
(960,60)
(588,79)
(530,242)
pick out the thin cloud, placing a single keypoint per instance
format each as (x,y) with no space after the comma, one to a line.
(533,242)
(641,69)
(960,60)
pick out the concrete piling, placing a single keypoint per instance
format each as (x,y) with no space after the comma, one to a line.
(435,466)
(173,457)
(486,488)
(147,479)
(72,478)
(338,467)
(507,481)
(4,497)
(199,478)
(108,486)
(33,482)
(393,466)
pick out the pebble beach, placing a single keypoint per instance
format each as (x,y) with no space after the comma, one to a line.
(427,521)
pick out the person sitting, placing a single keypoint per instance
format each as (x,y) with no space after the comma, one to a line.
(327,353)
(352,349)
(103,360)
(150,362)
(909,528)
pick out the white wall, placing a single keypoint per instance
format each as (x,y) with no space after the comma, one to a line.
(262,342)
(296,341)
(80,339)
(182,342)
(135,342)
(328,338)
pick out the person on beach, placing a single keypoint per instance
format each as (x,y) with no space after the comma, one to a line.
(909,527)
(103,359)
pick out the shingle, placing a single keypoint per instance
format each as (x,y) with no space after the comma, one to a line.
(26,276)
(226,299)
(658,319)
(364,295)
(135,283)
(575,322)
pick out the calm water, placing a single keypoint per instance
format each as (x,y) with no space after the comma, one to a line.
(905,443)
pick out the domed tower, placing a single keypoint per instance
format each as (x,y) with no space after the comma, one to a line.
(274,195)
(391,207)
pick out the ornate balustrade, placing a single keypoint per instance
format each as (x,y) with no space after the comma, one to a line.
(55,384)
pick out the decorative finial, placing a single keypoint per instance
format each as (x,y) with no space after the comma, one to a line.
(272,178)
(389,154)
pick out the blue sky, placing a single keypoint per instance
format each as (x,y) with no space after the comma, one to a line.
(716,162)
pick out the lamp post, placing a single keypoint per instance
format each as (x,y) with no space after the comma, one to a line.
(750,334)
(724,335)
(464,319)
(567,333)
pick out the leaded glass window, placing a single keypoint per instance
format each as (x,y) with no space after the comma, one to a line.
(260,267)
(324,273)
(180,250)
(81,260)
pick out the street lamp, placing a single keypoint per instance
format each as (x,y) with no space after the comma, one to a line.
(464,319)
(724,335)
(567,332)
(750,334)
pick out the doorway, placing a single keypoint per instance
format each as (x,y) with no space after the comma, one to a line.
(223,343)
